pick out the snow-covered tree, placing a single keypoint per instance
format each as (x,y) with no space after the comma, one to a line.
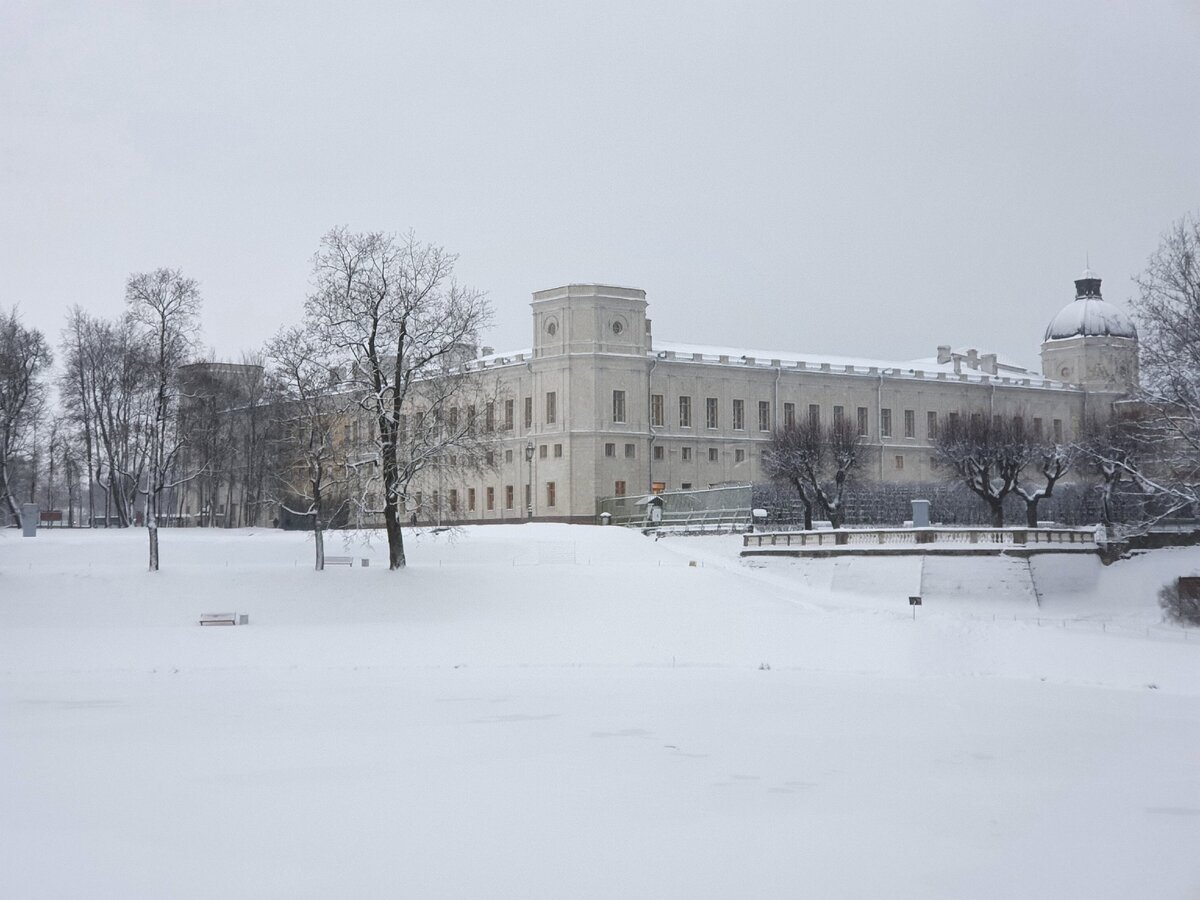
(1052,462)
(819,462)
(389,314)
(165,307)
(24,360)
(311,472)
(987,454)
(1155,443)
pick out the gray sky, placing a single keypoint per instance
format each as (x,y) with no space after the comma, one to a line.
(866,179)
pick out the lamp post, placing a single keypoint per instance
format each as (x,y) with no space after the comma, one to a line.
(529,484)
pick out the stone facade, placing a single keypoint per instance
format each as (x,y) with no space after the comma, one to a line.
(601,409)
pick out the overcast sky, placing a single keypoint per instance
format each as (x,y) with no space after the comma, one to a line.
(864,179)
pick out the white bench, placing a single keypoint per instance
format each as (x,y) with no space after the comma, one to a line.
(339,561)
(219,619)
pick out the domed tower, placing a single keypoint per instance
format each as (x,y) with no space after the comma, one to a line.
(1090,342)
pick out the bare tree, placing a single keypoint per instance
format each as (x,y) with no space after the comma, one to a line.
(166,306)
(24,359)
(1113,453)
(1052,461)
(312,474)
(388,310)
(1166,427)
(819,462)
(987,454)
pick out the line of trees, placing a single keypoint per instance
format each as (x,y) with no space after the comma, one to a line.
(337,415)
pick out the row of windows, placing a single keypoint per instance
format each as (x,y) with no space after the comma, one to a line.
(711,417)
(489,495)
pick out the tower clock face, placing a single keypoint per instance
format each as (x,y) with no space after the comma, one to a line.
(1066,372)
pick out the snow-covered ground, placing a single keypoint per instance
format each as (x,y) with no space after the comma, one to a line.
(555,711)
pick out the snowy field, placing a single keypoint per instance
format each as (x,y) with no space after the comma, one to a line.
(549,711)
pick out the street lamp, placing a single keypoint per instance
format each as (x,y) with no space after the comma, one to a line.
(529,484)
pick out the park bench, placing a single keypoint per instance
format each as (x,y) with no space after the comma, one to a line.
(339,561)
(50,516)
(219,619)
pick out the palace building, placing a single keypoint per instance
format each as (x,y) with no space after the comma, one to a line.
(598,407)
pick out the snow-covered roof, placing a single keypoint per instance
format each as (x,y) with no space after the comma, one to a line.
(840,363)
(1090,316)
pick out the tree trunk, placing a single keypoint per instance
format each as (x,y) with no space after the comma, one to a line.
(997,512)
(319,541)
(152,531)
(1031,512)
(391,523)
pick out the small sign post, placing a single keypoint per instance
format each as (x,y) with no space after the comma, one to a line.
(914,602)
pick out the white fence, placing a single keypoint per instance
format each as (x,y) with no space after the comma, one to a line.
(1078,538)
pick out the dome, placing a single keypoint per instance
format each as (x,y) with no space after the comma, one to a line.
(1090,315)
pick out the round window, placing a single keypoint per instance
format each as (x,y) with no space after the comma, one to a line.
(618,327)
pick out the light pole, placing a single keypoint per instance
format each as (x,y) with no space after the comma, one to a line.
(529,484)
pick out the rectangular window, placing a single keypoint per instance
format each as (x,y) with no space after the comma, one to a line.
(839,415)
(528,412)
(910,423)
(739,455)
(686,486)
(618,406)
(685,412)
(789,415)
(885,423)
(899,462)
(710,413)
(453,420)
(420,502)
(471,499)
(508,415)
(1058,431)
(658,452)
(1037,428)
(712,454)
(610,449)
(631,451)
(508,456)
(346,433)
(686,454)
(619,489)
(954,417)
(1019,426)
(739,416)
(656,410)
(764,415)
(550,493)
(491,498)
(453,499)
(471,415)
(862,421)
(489,417)
(931,425)
(814,415)
(543,451)
(551,407)
(558,451)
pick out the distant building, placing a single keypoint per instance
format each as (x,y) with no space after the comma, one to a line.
(599,408)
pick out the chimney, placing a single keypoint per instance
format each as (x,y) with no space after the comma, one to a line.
(943,354)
